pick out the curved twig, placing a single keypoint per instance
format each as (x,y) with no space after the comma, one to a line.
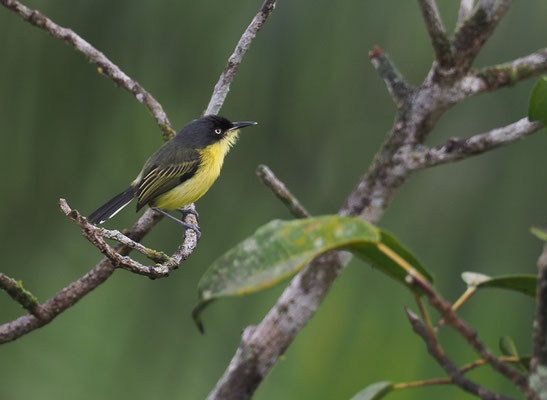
(105,66)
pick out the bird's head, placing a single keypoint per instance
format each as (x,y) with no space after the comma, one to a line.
(210,129)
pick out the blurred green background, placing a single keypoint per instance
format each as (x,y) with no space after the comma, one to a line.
(66,131)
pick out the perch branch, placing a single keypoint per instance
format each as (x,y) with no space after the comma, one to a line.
(447,364)
(104,65)
(280,190)
(223,85)
(71,294)
(102,271)
(437,33)
(95,236)
(18,293)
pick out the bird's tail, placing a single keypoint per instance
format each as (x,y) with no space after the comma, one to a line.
(113,206)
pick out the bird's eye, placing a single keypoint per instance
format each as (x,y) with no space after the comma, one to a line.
(218,131)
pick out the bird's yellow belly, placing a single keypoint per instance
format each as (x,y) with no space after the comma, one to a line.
(191,190)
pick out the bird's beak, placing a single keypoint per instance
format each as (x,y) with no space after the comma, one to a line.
(241,124)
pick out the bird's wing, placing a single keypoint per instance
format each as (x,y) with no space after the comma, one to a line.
(161,179)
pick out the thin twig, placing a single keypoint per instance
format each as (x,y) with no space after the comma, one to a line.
(473,33)
(105,66)
(437,33)
(471,336)
(470,291)
(18,293)
(457,149)
(399,89)
(223,85)
(445,381)
(448,365)
(509,73)
(102,271)
(94,235)
(280,190)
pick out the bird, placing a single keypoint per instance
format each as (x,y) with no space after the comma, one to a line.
(179,172)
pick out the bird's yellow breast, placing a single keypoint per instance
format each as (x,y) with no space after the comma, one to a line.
(212,158)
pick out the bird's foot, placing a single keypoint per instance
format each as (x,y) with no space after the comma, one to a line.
(187,210)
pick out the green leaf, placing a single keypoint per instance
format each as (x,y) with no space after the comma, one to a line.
(537,108)
(521,283)
(507,346)
(374,392)
(279,249)
(539,233)
(378,258)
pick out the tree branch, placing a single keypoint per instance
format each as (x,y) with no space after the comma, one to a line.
(95,236)
(458,149)
(105,66)
(466,10)
(71,294)
(471,336)
(223,85)
(18,293)
(418,111)
(510,73)
(399,89)
(473,33)
(447,364)
(437,33)
(280,190)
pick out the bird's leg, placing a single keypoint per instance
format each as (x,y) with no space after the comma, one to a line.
(195,228)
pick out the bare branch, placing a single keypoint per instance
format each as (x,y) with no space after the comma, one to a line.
(18,293)
(458,149)
(396,84)
(105,66)
(437,33)
(466,10)
(448,365)
(94,235)
(280,190)
(223,85)
(540,324)
(473,33)
(510,73)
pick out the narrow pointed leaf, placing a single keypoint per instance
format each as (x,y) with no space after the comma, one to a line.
(507,346)
(537,108)
(521,283)
(375,391)
(539,233)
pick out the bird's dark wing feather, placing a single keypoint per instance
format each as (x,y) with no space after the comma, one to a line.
(161,179)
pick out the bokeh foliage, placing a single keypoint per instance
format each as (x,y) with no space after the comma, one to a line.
(323,112)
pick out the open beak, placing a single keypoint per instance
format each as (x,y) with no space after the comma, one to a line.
(241,124)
